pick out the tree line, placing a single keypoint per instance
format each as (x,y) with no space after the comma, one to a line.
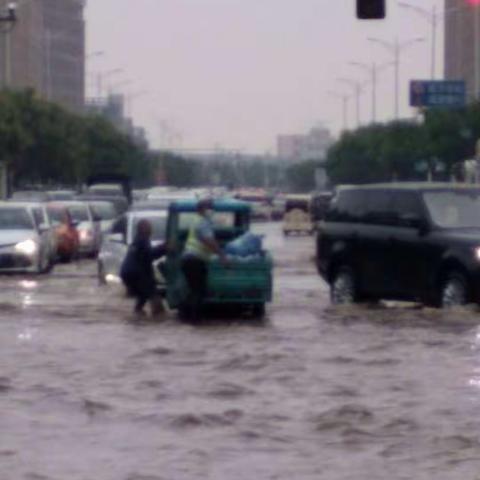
(42,143)
(407,150)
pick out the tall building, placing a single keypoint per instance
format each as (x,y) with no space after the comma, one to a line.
(462,22)
(313,146)
(45,50)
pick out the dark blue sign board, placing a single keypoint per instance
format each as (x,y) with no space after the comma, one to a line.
(437,93)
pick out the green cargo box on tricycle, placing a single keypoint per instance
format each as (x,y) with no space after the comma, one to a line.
(243,282)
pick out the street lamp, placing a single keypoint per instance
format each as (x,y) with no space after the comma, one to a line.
(357,89)
(395,48)
(9,18)
(344,102)
(373,69)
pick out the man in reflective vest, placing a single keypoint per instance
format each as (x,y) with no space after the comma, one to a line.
(200,246)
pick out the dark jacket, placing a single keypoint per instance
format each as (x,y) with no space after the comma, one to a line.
(137,269)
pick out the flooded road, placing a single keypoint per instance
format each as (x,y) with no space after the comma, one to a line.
(89,392)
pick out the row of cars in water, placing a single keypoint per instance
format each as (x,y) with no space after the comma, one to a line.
(37,229)
(41,228)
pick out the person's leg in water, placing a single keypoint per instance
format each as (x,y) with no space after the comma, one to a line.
(195,272)
(144,291)
(140,301)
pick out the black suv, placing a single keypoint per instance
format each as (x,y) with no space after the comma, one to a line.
(402,241)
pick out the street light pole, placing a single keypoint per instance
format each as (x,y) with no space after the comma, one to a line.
(344,99)
(373,70)
(396,48)
(357,89)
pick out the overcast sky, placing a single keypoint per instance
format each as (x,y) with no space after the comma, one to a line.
(235,73)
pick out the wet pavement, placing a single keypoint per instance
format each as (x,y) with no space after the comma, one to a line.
(88,391)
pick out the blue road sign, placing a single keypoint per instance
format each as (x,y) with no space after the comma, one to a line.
(437,93)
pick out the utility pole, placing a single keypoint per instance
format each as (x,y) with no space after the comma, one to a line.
(8,18)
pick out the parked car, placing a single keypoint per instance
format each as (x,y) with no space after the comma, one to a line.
(116,243)
(87,225)
(67,238)
(24,245)
(416,242)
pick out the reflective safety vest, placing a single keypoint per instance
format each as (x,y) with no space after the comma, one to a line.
(194,245)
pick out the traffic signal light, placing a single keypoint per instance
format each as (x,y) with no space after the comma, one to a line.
(371,9)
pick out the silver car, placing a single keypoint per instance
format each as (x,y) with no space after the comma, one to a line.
(42,220)
(105,212)
(116,242)
(24,245)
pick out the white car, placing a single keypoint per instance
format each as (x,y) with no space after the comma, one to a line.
(24,245)
(41,217)
(87,225)
(106,212)
(116,242)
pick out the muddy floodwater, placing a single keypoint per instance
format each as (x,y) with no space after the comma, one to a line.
(88,392)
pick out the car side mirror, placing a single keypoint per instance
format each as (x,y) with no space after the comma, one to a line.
(116,238)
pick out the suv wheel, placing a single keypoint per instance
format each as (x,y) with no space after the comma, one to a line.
(343,289)
(454,290)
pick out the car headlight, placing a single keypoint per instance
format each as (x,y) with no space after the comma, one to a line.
(477,253)
(85,235)
(28,247)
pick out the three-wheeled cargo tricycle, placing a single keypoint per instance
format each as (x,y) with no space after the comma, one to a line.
(243,282)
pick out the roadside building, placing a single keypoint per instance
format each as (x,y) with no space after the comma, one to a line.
(298,148)
(462,20)
(45,51)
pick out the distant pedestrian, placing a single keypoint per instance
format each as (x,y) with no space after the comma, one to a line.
(200,246)
(137,269)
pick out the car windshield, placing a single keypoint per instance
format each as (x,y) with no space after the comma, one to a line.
(454,209)
(15,219)
(159,226)
(104,210)
(57,215)
(79,213)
